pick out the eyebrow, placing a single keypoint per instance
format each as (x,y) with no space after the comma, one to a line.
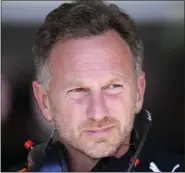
(78,82)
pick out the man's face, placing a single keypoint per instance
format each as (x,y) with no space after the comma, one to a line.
(94,93)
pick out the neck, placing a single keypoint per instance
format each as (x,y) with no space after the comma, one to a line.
(124,148)
(78,161)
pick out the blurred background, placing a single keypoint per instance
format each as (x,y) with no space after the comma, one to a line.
(161,27)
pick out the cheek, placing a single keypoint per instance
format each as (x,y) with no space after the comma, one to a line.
(77,107)
(66,124)
(63,117)
(119,100)
(120,105)
(73,113)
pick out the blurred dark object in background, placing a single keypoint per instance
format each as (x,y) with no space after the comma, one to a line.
(6,99)
(163,64)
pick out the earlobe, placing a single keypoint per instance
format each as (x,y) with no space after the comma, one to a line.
(42,100)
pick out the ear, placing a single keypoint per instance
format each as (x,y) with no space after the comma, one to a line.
(141,85)
(42,100)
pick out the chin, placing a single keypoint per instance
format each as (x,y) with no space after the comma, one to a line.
(101,149)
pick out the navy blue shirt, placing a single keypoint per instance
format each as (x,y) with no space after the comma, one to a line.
(151,160)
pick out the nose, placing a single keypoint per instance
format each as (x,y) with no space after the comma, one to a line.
(97,108)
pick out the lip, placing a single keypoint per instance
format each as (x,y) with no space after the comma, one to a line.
(94,130)
(99,132)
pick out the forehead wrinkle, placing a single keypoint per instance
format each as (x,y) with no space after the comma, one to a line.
(82,80)
(99,65)
(89,70)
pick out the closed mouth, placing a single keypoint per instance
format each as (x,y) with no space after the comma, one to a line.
(99,129)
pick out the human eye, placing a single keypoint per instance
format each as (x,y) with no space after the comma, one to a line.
(78,90)
(77,93)
(113,89)
(112,86)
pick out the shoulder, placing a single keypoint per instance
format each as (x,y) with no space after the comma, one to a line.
(39,158)
(161,160)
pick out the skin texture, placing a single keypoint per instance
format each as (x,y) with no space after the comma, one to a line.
(93,98)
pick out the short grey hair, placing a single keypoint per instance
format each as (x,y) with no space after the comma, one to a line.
(79,19)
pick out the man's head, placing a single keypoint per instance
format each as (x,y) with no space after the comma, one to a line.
(89,75)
